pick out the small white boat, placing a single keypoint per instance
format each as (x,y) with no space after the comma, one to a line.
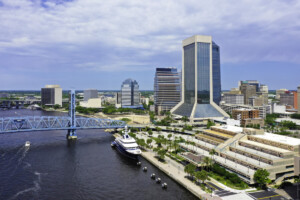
(27,144)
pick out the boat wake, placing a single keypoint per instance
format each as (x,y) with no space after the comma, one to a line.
(36,187)
(26,165)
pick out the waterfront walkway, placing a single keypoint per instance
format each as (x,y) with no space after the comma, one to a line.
(175,171)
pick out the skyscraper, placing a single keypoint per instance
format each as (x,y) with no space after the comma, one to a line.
(90,94)
(51,95)
(166,89)
(201,84)
(250,82)
(130,95)
(248,91)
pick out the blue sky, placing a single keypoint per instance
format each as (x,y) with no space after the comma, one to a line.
(98,44)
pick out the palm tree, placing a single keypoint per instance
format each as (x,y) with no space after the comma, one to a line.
(169,136)
(212,153)
(208,162)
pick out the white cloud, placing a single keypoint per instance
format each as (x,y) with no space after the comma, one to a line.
(246,30)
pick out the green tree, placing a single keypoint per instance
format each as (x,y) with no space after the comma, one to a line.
(261,177)
(212,153)
(152,116)
(56,106)
(295,116)
(201,175)
(150,132)
(161,153)
(208,162)
(126,120)
(149,141)
(190,169)
(158,129)
(185,119)
(209,124)
(288,124)
(169,137)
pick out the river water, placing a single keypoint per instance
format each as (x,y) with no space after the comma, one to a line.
(87,169)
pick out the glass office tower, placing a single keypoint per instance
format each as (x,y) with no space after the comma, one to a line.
(201,89)
(130,95)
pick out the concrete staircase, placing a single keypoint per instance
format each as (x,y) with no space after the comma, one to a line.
(221,147)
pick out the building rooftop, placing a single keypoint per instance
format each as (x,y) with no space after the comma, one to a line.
(244,109)
(279,138)
(52,86)
(265,146)
(230,128)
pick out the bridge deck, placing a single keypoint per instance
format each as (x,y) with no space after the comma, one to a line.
(42,123)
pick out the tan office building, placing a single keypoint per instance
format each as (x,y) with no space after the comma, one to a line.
(51,95)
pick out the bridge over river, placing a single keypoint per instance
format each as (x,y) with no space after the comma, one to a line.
(45,123)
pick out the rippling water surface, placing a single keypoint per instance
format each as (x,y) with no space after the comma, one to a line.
(88,169)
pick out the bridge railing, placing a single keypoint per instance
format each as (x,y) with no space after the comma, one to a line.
(37,123)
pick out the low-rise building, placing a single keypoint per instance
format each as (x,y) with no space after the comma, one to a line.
(264,88)
(90,94)
(243,113)
(263,110)
(92,103)
(245,150)
(4,95)
(279,92)
(145,100)
(248,117)
(233,98)
(287,98)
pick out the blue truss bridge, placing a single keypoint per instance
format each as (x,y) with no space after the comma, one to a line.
(70,123)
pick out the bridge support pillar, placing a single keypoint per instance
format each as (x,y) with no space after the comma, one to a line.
(72,132)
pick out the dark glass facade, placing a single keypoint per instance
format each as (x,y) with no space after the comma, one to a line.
(216,73)
(189,74)
(203,68)
(201,72)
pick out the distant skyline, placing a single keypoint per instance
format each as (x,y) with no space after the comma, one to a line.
(98,44)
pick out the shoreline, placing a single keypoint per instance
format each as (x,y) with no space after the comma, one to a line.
(174,173)
(170,171)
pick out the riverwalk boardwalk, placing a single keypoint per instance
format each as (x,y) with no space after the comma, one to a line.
(178,175)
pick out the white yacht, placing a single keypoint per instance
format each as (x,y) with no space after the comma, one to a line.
(27,144)
(127,145)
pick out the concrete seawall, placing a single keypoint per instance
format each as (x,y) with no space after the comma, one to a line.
(179,177)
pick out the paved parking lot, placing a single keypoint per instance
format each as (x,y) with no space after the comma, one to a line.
(267,195)
(293,191)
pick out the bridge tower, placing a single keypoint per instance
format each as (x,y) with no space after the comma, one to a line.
(72,131)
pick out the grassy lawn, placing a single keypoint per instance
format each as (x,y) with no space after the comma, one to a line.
(179,158)
(239,186)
